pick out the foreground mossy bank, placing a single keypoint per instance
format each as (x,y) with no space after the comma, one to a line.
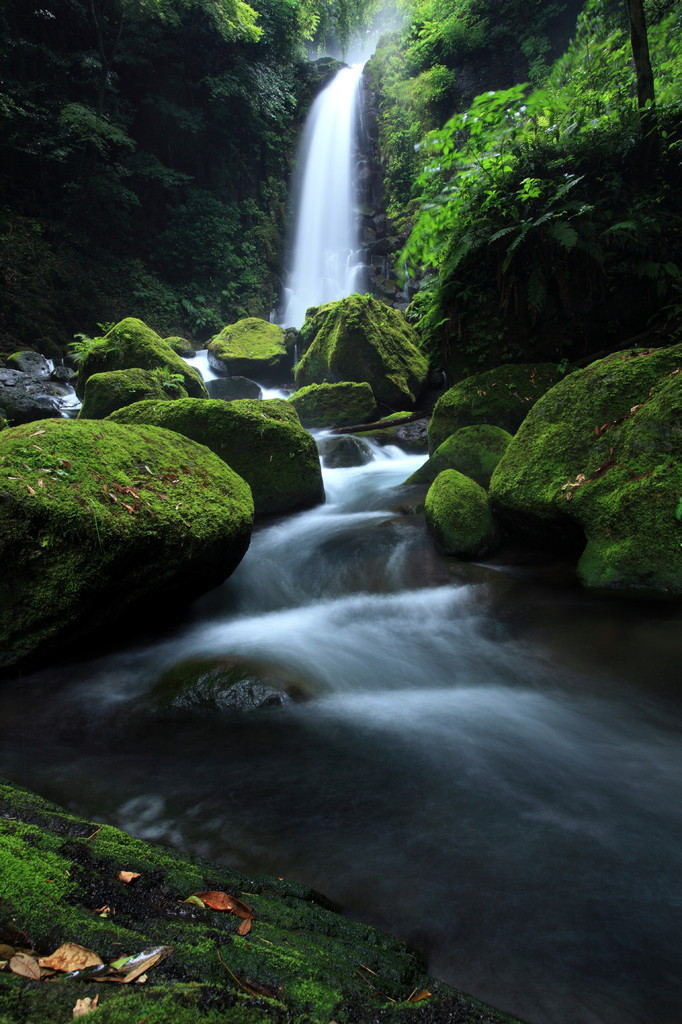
(97,519)
(300,964)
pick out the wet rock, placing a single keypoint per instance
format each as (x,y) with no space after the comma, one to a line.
(252,348)
(227,389)
(334,405)
(30,362)
(24,398)
(344,451)
(459,516)
(231,684)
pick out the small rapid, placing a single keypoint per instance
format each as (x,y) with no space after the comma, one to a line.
(482,761)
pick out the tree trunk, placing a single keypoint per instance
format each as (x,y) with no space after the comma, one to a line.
(645,83)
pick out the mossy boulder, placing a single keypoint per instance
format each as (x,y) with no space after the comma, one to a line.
(501,397)
(334,405)
(251,348)
(182,347)
(301,963)
(459,516)
(474,451)
(263,441)
(98,520)
(361,339)
(600,457)
(106,392)
(129,344)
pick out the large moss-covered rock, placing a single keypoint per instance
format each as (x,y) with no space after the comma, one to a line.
(501,397)
(301,963)
(131,343)
(105,392)
(361,339)
(181,346)
(250,348)
(459,516)
(261,440)
(334,405)
(98,519)
(601,455)
(474,451)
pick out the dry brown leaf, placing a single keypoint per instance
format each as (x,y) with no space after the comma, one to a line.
(70,957)
(84,1006)
(128,876)
(223,901)
(417,997)
(245,926)
(25,965)
(6,952)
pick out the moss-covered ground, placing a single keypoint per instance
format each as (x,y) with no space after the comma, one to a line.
(301,963)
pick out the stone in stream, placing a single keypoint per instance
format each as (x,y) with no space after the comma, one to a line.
(263,441)
(334,405)
(227,389)
(101,522)
(459,516)
(106,392)
(131,343)
(24,398)
(344,451)
(228,684)
(250,348)
(501,397)
(181,346)
(361,339)
(33,363)
(598,462)
(474,451)
(299,962)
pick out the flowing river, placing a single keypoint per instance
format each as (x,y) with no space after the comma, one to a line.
(487,765)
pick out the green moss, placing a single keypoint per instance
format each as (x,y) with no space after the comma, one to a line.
(105,392)
(262,441)
(361,339)
(311,964)
(600,455)
(252,348)
(501,397)
(129,344)
(458,515)
(96,518)
(474,451)
(181,346)
(334,405)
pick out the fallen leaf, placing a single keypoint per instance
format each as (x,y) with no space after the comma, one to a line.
(417,997)
(132,967)
(6,952)
(25,965)
(70,957)
(3,964)
(245,926)
(128,876)
(103,912)
(223,901)
(84,1006)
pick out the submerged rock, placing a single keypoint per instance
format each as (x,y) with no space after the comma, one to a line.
(501,397)
(250,348)
(474,451)
(361,339)
(227,389)
(106,392)
(231,684)
(334,405)
(600,456)
(459,516)
(129,344)
(298,964)
(263,441)
(99,521)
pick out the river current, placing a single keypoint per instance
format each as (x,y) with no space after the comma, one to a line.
(488,763)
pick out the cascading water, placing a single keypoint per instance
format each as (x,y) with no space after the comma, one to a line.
(324,258)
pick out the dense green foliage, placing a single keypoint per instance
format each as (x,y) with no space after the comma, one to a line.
(549,218)
(146,149)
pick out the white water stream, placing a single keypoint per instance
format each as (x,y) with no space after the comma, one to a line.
(325,255)
(483,766)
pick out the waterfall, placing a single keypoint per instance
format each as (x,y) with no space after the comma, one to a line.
(325,253)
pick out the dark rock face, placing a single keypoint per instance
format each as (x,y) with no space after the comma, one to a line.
(344,451)
(230,388)
(30,362)
(24,398)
